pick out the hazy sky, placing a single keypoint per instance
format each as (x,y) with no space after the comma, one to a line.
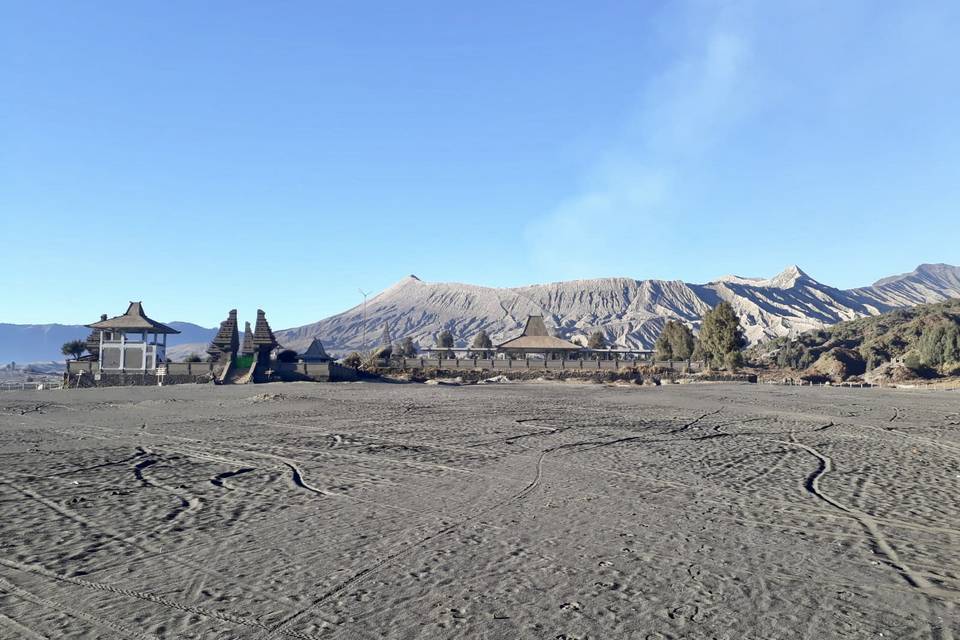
(208,155)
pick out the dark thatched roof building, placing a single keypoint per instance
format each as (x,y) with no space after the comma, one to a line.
(315,353)
(536,339)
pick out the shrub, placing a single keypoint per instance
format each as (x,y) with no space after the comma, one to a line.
(287,355)
(74,348)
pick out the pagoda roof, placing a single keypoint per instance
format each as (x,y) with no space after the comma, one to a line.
(133,320)
(247,347)
(262,334)
(227,336)
(535,337)
(315,350)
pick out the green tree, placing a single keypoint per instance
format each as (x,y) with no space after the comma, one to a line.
(445,341)
(721,335)
(193,358)
(940,344)
(482,341)
(683,341)
(676,342)
(663,348)
(74,348)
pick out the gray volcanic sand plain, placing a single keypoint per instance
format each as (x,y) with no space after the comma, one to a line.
(501,511)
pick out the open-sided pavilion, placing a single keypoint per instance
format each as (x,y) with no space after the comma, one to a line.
(131,342)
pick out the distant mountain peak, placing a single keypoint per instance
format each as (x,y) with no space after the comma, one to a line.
(784,280)
(789,277)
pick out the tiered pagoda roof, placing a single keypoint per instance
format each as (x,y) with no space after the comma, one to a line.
(227,338)
(263,338)
(247,348)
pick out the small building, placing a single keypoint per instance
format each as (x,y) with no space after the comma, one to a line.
(131,342)
(315,353)
(535,339)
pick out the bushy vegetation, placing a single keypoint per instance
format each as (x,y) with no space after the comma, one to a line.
(193,357)
(597,340)
(406,348)
(925,338)
(676,342)
(287,355)
(353,360)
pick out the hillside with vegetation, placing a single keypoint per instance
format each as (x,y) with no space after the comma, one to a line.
(921,342)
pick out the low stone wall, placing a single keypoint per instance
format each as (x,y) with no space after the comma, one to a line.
(191,368)
(315,371)
(134,380)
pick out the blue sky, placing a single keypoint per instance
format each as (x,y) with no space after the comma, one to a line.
(204,156)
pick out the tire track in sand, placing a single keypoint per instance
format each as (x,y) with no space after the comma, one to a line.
(140,595)
(877,540)
(389,559)
(72,612)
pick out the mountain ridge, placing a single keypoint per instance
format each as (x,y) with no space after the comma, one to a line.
(630,312)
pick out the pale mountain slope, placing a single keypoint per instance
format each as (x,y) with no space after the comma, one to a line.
(630,312)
